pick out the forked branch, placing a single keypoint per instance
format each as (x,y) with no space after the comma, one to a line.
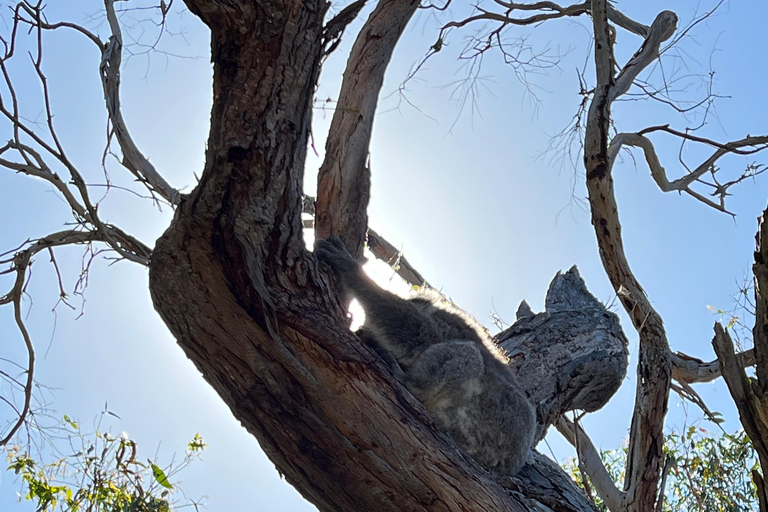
(745,146)
(646,433)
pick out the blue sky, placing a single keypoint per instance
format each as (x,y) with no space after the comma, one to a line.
(471,196)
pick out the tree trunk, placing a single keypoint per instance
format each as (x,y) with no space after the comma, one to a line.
(248,304)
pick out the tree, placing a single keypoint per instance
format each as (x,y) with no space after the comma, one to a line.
(105,473)
(705,472)
(249,305)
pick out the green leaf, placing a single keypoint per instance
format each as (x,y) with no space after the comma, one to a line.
(196,444)
(160,477)
(71,423)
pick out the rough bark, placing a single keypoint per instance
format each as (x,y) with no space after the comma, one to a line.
(751,395)
(261,321)
(572,356)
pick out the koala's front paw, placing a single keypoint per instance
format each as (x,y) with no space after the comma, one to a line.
(333,252)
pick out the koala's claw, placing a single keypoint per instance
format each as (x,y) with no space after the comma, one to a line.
(333,252)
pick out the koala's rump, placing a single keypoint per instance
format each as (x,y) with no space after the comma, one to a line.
(489,418)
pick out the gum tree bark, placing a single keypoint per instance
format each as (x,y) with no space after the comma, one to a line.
(250,306)
(263,322)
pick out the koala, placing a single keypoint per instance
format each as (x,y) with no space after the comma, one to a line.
(459,374)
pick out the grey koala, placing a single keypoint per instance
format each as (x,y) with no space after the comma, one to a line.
(459,375)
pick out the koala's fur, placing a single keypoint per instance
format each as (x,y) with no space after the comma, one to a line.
(453,369)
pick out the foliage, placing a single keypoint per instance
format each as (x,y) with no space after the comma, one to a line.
(707,472)
(100,472)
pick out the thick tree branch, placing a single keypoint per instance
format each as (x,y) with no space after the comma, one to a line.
(343,186)
(654,365)
(689,370)
(751,403)
(387,253)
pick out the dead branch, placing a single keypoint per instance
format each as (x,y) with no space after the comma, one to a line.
(588,455)
(662,29)
(751,395)
(690,370)
(379,246)
(335,27)
(550,11)
(387,253)
(659,174)
(133,159)
(751,403)
(111,58)
(19,264)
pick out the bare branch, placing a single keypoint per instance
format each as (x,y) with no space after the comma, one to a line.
(589,457)
(664,473)
(646,432)
(379,246)
(335,27)
(15,296)
(387,253)
(689,370)
(749,401)
(659,174)
(41,170)
(133,159)
(554,11)
(550,10)
(662,29)
(686,392)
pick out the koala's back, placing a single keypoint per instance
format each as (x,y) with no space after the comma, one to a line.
(487,415)
(465,383)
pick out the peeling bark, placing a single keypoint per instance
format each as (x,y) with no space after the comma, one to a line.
(751,395)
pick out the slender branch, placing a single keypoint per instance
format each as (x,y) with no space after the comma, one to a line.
(664,473)
(41,170)
(689,370)
(557,12)
(551,11)
(659,174)
(686,392)
(15,296)
(588,455)
(133,159)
